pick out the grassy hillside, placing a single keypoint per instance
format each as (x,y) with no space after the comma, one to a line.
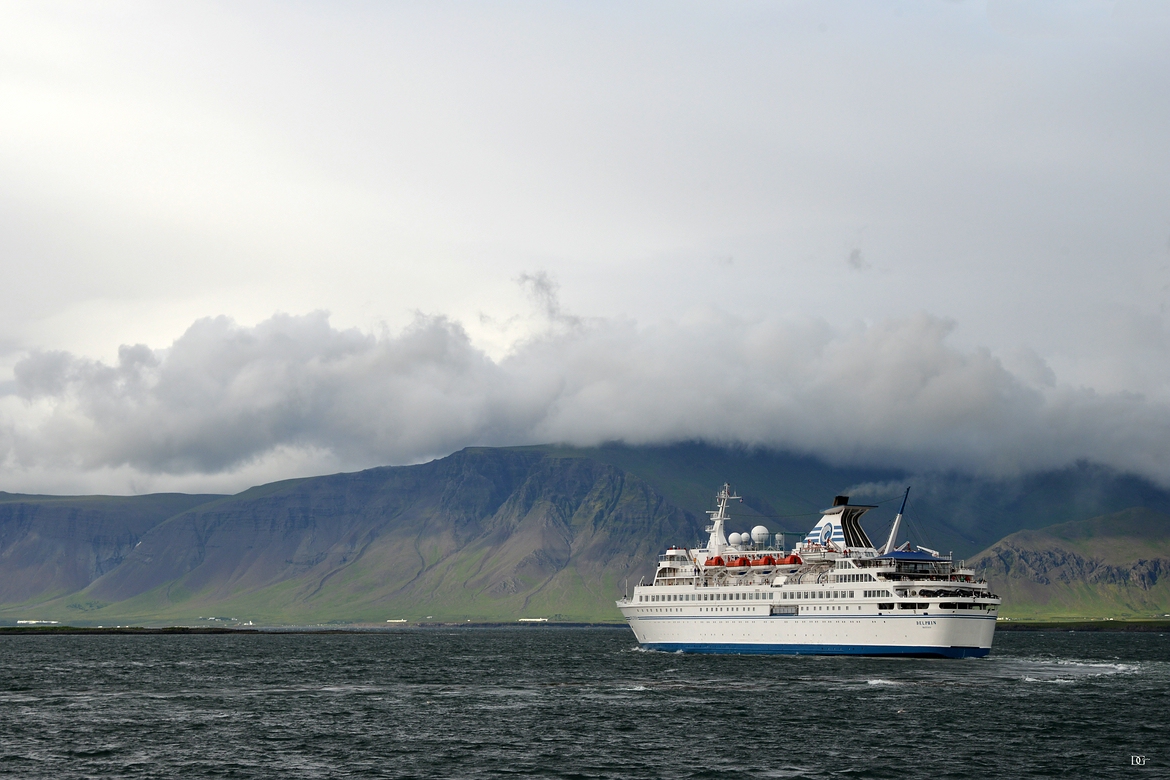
(483,535)
(497,534)
(1112,566)
(51,545)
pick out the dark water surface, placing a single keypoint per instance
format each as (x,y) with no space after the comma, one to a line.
(574,703)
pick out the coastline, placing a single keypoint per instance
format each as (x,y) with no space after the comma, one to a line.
(1097,624)
(1159,625)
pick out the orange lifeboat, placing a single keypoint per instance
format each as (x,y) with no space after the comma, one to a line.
(716,561)
(767,560)
(739,563)
(790,560)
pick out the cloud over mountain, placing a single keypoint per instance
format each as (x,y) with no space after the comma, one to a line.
(895,393)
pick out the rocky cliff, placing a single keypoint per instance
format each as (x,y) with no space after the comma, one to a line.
(1117,565)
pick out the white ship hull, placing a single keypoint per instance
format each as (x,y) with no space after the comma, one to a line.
(946,635)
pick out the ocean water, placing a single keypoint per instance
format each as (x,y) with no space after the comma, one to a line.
(573,703)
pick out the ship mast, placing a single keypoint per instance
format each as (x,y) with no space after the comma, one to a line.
(894,529)
(718,541)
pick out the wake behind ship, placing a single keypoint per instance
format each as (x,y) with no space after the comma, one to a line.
(834,594)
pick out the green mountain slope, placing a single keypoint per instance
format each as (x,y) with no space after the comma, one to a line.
(52,545)
(1112,566)
(483,534)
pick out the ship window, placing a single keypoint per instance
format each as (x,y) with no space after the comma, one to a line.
(850,594)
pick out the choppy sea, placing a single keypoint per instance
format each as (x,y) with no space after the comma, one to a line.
(573,703)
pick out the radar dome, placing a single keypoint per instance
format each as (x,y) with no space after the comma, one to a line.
(734,540)
(760,535)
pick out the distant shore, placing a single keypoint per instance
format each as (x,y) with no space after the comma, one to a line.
(356,628)
(1150,625)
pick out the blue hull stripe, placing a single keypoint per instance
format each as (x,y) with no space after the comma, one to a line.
(786,649)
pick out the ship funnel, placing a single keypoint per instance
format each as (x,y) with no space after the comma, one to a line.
(841,501)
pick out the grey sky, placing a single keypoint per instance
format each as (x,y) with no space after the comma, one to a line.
(921,233)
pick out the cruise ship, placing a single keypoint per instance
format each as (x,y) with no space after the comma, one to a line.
(834,593)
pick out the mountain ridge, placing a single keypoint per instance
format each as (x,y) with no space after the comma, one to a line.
(1116,565)
(483,534)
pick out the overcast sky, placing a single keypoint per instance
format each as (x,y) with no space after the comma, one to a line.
(247,241)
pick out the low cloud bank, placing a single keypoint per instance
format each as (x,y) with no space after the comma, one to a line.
(224,397)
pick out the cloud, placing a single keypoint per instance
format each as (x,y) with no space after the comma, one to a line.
(224,398)
(856,261)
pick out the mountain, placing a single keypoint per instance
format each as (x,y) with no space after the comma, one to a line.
(947,511)
(1117,565)
(486,533)
(481,534)
(52,545)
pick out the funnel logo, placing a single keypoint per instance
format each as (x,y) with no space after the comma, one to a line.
(826,532)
